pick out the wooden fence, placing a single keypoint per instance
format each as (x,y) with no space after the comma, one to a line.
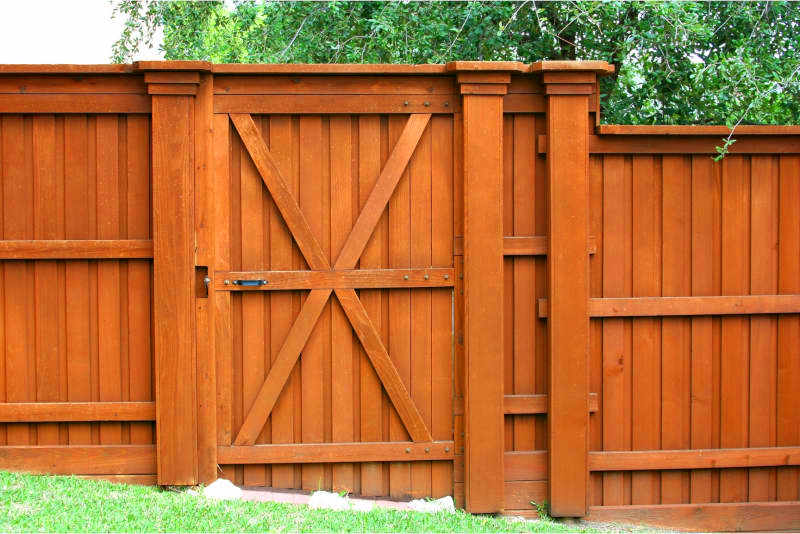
(399,281)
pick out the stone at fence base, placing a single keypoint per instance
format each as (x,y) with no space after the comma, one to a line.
(445,504)
(222,489)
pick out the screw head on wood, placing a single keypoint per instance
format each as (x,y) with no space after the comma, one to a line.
(405,277)
(426,104)
(447,104)
(447,277)
(227,282)
(447,449)
(405,103)
(408,449)
(427,277)
(427,449)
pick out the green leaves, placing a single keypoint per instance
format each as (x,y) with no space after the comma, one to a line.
(677,62)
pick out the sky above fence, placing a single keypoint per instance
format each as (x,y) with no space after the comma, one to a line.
(55,31)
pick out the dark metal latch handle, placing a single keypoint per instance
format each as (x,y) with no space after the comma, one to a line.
(250,283)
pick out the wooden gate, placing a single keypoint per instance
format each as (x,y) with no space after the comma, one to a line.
(336,292)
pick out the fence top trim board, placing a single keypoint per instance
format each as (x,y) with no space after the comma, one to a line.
(599,67)
(629,129)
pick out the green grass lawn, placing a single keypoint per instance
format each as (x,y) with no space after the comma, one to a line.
(67,504)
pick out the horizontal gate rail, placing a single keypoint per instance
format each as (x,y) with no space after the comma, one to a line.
(331,104)
(75,249)
(337,279)
(693,459)
(41,412)
(684,306)
(291,453)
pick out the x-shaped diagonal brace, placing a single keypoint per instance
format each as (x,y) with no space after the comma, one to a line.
(317,298)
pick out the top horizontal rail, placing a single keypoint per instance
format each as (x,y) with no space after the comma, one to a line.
(600,67)
(660,129)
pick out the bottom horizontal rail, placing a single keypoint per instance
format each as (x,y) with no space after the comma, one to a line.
(79,459)
(719,517)
(308,453)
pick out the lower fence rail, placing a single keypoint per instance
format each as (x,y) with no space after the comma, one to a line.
(728,517)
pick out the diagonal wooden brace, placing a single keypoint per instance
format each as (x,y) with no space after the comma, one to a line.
(387,372)
(282,367)
(354,245)
(287,205)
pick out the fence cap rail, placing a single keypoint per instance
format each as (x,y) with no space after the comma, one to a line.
(66,69)
(599,67)
(661,129)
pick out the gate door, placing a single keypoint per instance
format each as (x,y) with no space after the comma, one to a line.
(334,283)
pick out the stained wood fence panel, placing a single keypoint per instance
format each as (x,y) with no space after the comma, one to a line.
(77,330)
(525,340)
(690,226)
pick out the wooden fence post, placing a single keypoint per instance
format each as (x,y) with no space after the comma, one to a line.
(483,86)
(568,94)
(174,86)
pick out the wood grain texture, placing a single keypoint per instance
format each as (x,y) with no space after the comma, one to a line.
(740,517)
(337,452)
(381,191)
(342,279)
(483,292)
(74,103)
(63,249)
(537,403)
(173,289)
(85,460)
(269,391)
(283,198)
(386,370)
(688,306)
(694,459)
(568,327)
(339,104)
(29,412)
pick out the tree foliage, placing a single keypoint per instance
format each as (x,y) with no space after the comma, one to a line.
(677,62)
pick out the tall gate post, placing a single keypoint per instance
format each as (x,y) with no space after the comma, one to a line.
(568,93)
(482,86)
(174,86)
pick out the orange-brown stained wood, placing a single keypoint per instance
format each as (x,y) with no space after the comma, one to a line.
(677,286)
(568,326)
(173,289)
(483,275)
